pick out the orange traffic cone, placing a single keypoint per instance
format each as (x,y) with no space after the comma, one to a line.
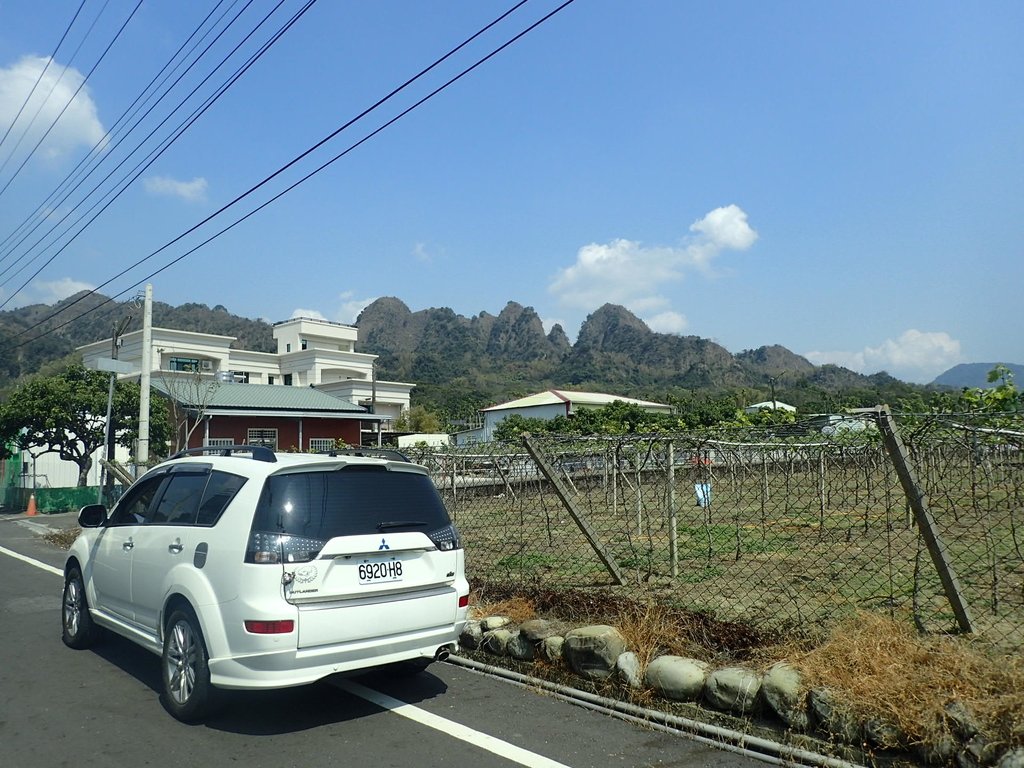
(31,505)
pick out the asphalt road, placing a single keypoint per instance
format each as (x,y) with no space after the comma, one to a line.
(100,707)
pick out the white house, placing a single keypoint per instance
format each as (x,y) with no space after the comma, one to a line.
(310,352)
(547,405)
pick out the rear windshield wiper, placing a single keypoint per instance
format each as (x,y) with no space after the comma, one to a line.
(383,526)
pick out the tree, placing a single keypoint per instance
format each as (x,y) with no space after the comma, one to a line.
(62,414)
(188,396)
(418,419)
(66,414)
(511,428)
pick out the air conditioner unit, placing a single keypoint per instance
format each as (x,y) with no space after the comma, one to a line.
(207,365)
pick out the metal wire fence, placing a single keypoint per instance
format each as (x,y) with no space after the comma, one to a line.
(787,528)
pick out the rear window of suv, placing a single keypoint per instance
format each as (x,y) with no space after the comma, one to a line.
(307,509)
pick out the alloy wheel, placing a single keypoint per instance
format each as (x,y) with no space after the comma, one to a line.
(181,662)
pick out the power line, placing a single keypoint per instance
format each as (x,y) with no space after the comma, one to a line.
(293,162)
(103,142)
(154,154)
(305,178)
(42,73)
(54,85)
(69,102)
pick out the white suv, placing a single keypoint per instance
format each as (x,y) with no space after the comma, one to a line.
(243,568)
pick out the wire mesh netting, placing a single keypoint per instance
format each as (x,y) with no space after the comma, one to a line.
(777,527)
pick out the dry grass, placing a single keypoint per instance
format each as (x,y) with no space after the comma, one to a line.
(884,670)
(516,609)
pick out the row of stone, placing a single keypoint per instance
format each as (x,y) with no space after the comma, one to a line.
(599,653)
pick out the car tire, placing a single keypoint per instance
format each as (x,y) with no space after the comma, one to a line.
(78,630)
(184,669)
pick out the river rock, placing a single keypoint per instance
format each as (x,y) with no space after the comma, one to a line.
(783,691)
(592,651)
(733,689)
(494,622)
(518,647)
(536,630)
(551,648)
(627,669)
(677,678)
(1012,759)
(883,734)
(496,642)
(832,718)
(471,636)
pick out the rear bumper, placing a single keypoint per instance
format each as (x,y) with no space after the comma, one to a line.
(291,667)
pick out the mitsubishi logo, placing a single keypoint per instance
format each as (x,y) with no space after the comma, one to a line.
(383,545)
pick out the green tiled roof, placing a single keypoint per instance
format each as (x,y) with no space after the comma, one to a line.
(274,397)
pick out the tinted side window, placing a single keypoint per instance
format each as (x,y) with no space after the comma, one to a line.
(219,492)
(349,502)
(180,500)
(133,507)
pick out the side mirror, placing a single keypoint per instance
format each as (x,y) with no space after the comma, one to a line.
(92,516)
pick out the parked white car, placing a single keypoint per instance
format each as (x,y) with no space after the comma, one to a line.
(242,568)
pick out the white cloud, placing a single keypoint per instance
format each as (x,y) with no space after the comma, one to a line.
(667,322)
(632,274)
(548,323)
(916,356)
(190,191)
(300,312)
(350,308)
(46,292)
(726,228)
(77,126)
(420,253)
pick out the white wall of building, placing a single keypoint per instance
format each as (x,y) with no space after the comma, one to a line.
(493,418)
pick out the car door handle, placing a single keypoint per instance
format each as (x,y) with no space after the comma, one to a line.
(128,545)
(175,548)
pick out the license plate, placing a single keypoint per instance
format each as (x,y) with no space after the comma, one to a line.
(380,571)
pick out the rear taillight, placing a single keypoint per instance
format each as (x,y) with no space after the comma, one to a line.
(446,539)
(463,601)
(279,627)
(279,548)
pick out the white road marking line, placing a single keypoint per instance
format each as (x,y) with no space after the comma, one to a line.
(448,727)
(31,561)
(36,526)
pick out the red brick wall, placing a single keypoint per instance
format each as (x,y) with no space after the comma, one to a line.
(236,428)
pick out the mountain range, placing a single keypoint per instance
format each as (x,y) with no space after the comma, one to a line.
(461,364)
(975,375)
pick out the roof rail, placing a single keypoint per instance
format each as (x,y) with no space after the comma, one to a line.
(259,452)
(371,453)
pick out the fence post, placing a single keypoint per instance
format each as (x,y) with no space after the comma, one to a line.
(570,507)
(918,500)
(673,536)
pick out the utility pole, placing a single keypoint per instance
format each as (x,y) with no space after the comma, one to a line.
(142,453)
(106,478)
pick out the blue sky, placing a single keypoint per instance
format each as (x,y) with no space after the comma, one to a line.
(843,179)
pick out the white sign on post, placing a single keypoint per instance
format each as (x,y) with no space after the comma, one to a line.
(114,366)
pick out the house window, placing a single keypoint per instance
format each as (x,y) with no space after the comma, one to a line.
(271,379)
(321,445)
(287,347)
(287,379)
(189,364)
(265,437)
(220,441)
(303,343)
(241,377)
